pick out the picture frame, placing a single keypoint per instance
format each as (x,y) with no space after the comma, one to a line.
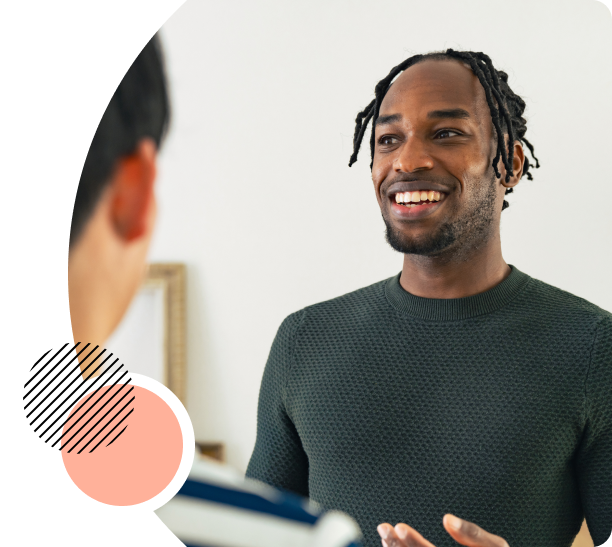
(213,450)
(151,338)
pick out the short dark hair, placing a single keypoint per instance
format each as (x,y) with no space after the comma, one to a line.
(506,107)
(139,108)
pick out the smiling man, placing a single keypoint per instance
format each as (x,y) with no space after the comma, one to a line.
(460,386)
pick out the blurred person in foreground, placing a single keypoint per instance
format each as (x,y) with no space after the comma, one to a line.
(112,223)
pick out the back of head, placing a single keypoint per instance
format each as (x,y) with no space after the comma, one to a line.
(138,109)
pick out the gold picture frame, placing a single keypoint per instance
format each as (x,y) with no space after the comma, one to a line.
(215,451)
(169,277)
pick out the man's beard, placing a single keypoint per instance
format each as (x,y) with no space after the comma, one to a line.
(462,234)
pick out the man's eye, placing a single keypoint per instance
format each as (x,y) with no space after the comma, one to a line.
(446,133)
(386,140)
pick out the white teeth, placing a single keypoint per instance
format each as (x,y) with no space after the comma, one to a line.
(410,199)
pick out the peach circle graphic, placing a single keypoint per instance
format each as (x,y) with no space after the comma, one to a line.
(132,467)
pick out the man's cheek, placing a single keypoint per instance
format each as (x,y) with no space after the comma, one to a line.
(378,176)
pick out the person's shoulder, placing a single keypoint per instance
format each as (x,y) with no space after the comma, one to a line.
(559,301)
(361,303)
(365,298)
(216,505)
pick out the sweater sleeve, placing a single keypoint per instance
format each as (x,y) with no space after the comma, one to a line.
(279,458)
(594,458)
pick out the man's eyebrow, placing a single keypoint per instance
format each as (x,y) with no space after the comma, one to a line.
(382,120)
(455,113)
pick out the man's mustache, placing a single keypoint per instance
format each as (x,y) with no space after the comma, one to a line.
(405,182)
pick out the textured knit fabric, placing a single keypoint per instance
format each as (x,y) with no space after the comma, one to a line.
(396,408)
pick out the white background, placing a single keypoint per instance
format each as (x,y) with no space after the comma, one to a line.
(255,194)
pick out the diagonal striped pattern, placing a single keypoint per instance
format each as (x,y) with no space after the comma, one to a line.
(78,409)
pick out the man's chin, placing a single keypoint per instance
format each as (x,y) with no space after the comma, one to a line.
(428,245)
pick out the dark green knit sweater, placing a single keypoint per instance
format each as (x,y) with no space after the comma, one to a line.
(495,407)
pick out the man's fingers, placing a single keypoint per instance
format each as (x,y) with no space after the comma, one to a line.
(411,537)
(388,536)
(463,532)
(471,535)
(401,536)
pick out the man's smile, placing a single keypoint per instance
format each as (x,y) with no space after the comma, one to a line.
(415,204)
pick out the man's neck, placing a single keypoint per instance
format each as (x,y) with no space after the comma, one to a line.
(91,301)
(88,328)
(454,276)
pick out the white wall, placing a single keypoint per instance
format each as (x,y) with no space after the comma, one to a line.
(254,190)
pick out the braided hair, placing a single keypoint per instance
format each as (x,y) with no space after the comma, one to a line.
(506,108)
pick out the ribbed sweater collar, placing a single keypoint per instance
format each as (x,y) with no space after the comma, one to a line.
(449,309)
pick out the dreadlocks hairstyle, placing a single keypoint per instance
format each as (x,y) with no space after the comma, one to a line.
(506,108)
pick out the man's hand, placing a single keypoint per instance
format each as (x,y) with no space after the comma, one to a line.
(462,531)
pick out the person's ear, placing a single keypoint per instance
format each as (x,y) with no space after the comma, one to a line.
(132,198)
(517,166)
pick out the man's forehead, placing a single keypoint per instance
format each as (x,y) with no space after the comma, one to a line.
(434,85)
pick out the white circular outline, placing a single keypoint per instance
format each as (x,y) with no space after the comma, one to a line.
(90,504)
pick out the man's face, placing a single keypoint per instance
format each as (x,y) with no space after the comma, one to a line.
(432,163)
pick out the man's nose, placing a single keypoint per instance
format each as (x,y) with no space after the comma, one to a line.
(413,156)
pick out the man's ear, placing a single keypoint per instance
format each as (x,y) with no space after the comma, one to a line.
(517,166)
(131,186)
